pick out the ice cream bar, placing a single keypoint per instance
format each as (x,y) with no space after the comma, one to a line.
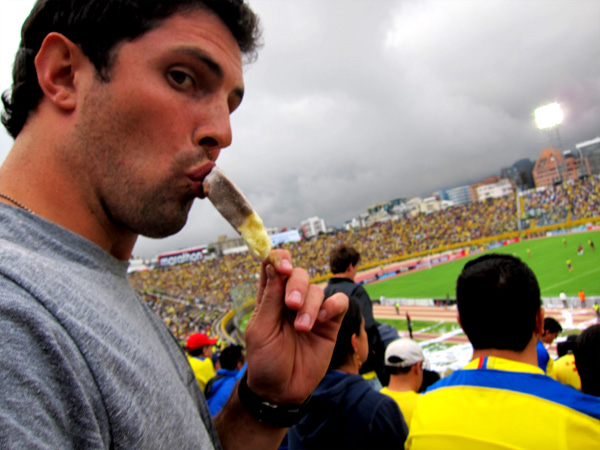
(237,210)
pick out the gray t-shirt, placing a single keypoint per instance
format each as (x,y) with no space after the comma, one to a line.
(84,363)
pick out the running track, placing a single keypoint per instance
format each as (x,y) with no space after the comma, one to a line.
(581,317)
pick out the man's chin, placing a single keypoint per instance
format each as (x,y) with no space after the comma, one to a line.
(157,225)
(162,228)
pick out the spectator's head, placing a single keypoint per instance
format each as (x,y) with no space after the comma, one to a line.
(215,360)
(232,357)
(567,346)
(199,344)
(587,359)
(352,344)
(404,359)
(429,377)
(98,27)
(551,330)
(342,257)
(499,302)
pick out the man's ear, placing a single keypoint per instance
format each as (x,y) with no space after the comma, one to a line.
(57,63)
(353,341)
(539,321)
(418,367)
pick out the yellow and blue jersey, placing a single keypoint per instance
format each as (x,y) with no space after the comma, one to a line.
(545,362)
(494,403)
(203,369)
(565,371)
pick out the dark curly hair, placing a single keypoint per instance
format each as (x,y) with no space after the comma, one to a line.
(341,256)
(97,26)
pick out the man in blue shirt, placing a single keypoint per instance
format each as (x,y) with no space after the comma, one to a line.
(219,388)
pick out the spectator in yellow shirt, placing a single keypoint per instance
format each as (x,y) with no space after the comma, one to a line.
(404,360)
(199,348)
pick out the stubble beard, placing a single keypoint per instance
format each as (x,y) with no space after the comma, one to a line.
(143,207)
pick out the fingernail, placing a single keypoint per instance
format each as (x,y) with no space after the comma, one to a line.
(294,298)
(322,315)
(303,321)
(286,264)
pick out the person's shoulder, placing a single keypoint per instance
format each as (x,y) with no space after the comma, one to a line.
(20,306)
(337,280)
(339,284)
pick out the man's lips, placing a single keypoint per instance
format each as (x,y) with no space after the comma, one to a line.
(197,176)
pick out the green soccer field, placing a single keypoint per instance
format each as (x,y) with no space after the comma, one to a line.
(548,260)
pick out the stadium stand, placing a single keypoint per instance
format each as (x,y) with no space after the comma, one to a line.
(190,297)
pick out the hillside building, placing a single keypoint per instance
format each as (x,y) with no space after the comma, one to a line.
(549,168)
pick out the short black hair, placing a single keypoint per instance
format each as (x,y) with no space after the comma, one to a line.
(198,351)
(398,370)
(567,346)
(341,256)
(97,27)
(551,325)
(231,356)
(498,299)
(350,325)
(587,359)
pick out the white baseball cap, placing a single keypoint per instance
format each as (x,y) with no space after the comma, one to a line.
(403,353)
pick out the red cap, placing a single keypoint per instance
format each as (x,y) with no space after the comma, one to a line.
(197,340)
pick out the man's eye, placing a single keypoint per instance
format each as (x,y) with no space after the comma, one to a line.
(181,79)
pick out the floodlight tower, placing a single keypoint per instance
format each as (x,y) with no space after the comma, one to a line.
(548,117)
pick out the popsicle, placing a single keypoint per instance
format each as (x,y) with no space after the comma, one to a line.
(237,210)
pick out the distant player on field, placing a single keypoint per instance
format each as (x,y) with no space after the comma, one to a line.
(581,298)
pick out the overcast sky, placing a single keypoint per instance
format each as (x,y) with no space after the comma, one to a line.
(356,102)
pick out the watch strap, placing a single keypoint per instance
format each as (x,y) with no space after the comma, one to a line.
(264,411)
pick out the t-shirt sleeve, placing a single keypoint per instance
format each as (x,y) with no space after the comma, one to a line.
(49,397)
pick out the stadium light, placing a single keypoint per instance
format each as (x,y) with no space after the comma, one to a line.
(548,116)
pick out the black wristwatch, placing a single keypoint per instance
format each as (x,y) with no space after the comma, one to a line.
(270,413)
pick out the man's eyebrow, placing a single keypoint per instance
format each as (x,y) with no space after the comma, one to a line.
(212,65)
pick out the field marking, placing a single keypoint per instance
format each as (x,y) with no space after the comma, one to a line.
(571,279)
(442,337)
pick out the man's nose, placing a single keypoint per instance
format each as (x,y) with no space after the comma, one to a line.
(213,133)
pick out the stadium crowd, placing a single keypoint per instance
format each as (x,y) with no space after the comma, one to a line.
(203,289)
(568,201)
(85,362)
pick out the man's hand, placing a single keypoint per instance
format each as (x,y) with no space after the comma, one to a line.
(292,332)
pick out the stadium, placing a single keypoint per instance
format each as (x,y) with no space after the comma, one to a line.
(410,262)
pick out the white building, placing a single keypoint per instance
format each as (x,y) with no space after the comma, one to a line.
(499,189)
(313,226)
(433,204)
(356,222)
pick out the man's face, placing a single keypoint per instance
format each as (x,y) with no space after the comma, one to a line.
(207,351)
(548,338)
(147,136)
